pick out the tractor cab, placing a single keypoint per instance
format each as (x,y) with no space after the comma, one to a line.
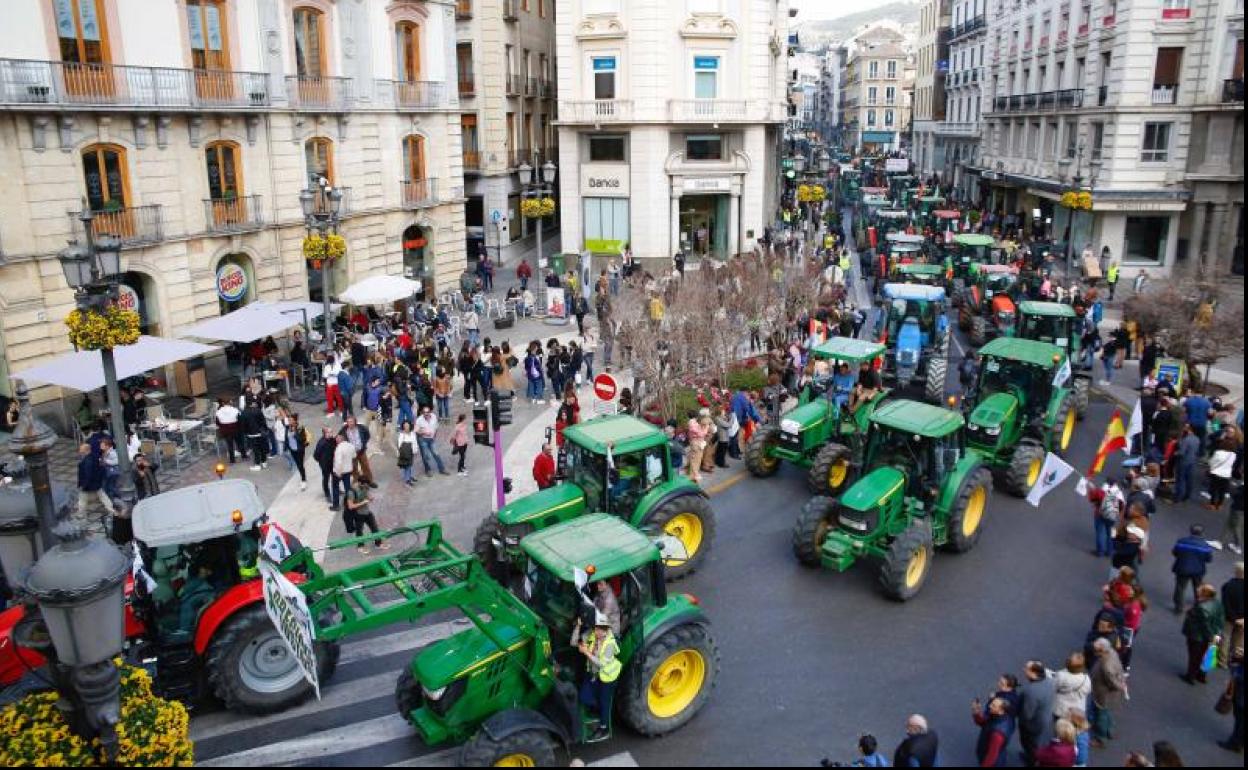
(892,220)
(920,441)
(914,314)
(987,309)
(970,249)
(1051,322)
(922,273)
(905,248)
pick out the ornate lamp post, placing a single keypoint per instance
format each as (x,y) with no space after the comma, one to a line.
(322,208)
(93,271)
(32,439)
(538,189)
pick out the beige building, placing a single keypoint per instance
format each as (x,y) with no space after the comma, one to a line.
(189,127)
(505,56)
(931,63)
(875,112)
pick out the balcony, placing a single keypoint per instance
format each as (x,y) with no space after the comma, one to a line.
(1233,90)
(511,10)
(1102,96)
(1044,44)
(530,86)
(714,110)
(472,161)
(233,215)
(1044,101)
(463,9)
(1107,22)
(318,91)
(1063,38)
(956,128)
(418,193)
(31,82)
(1167,94)
(596,111)
(419,94)
(546,89)
(514,83)
(134,225)
(467,85)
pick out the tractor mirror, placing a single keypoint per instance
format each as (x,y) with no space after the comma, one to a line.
(672,548)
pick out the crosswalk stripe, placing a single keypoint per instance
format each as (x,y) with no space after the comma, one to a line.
(340,740)
(444,758)
(409,639)
(623,759)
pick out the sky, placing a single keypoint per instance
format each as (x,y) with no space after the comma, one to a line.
(809,10)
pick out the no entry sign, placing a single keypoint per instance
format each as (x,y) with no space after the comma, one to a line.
(605,387)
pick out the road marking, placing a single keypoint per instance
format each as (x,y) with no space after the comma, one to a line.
(958,345)
(352,737)
(623,759)
(725,484)
(444,758)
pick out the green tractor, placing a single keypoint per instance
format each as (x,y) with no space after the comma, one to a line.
(924,490)
(822,432)
(1057,323)
(504,687)
(966,250)
(1019,412)
(616,464)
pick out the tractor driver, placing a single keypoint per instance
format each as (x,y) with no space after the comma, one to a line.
(842,386)
(603,668)
(867,388)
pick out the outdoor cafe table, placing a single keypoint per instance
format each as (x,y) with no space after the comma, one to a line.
(178,431)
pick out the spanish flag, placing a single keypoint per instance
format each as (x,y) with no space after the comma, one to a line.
(1115,438)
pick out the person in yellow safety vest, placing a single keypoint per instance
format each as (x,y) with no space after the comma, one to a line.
(1111,278)
(845,264)
(603,668)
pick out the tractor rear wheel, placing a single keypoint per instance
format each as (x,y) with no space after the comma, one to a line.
(690,520)
(251,669)
(830,470)
(524,748)
(489,532)
(1024,470)
(979,330)
(1081,395)
(673,681)
(1063,431)
(759,457)
(966,517)
(934,385)
(964,315)
(407,694)
(907,562)
(811,528)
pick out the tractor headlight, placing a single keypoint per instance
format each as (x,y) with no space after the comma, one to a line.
(442,699)
(995,431)
(790,426)
(433,694)
(854,524)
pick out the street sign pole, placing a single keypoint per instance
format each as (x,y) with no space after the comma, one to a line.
(500,494)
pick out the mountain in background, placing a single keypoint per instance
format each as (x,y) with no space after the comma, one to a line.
(903,14)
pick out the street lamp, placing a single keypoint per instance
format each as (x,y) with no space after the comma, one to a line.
(321,212)
(93,271)
(531,187)
(1076,184)
(20,540)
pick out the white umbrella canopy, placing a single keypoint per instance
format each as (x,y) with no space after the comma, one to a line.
(295,308)
(379,290)
(252,322)
(84,371)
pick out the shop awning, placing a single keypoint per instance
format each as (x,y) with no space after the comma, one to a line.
(253,322)
(295,308)
(84,371)
(379,290)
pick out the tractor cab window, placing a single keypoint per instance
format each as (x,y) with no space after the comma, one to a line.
(1046,328)
(190,577)
(946,454)
(587,470)
(1002,377)
(1000,283)
(900,449)
(556,601)
(634,475)
(1005,318)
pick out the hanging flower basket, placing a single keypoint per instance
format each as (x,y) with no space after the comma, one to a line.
(1079,201)
(537,208)
(93,330)
(317,248)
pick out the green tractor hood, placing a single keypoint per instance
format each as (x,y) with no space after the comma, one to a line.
(560,502)
(809,415)
(994,411)
(460,655)
(874,489)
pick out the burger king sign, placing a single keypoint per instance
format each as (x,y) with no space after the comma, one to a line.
(231,282)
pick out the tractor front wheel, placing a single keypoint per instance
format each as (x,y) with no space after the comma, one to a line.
(979,330)
(810,530)
(1081,396)
(934,385)
(484,544)
(690,520)
(253,671)
(407,694)
(964,315)
(1063,431)
(907,562)
(760,456)
(830,470)
(1024,470)
(524,748)
(672,682)
(966,518)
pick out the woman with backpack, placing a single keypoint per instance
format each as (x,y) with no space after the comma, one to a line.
(1107,505)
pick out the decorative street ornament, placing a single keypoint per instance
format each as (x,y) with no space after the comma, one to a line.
(1079,201)
(316,249)
(537,208)
(94,330)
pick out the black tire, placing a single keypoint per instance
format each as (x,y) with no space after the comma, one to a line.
(250,633)
(965,523)
(693,505)
(539,746)
(811,528)
(895,575)
(964,315)
(407,694)
(633,701)
(979,330)
(934,385)
(1082,395)
(1018,476)
(758,460)
(1065,411)
(830,457)
(489,531)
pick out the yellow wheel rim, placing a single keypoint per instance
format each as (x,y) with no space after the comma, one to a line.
(516,760)
(768,462)
(676,683)
(916,568)
(687,528)
(974,511)
(1033,472)
(1068,430)
(837,474)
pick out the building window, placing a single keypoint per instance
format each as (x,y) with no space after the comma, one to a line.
(1145,239)
(890,95)
(205,21)
(224,178)
(704,147)
(1166,75)
(872,93)
(870,117)
(705,77)
(604,77)
(468,138)
(606,224)
(888,118)
(1156,146)
(541,9)
(318,156)
(104,171)
(1098,139)
(309,43)
(891,69)
(1072,139)
(80,28)
(463,63)
(873,69)
(608,149)
(407,49)
(414,157)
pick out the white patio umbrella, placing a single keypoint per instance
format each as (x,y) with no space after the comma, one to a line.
(379,290)
(252,322)
(84,371)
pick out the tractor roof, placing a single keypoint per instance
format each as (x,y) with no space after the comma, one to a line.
(892,213)
(914,291)
(598,539)
(624,432)
(989,269)
(1032,352)
(932,199)
(917,417)
(973,239)
(921,268)
(194,514)
(947,214)
(1056,309)
(848,349)
(905,238)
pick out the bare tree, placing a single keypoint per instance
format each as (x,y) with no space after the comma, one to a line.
(1188,318)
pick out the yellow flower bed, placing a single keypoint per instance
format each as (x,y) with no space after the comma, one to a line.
(91,330)
(331,247)
(153,732)
(537,208)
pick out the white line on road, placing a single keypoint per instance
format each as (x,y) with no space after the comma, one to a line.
(623,759)
(956,344)
(444,758)
(352,737)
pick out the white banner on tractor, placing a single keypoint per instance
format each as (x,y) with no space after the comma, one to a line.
(288,610)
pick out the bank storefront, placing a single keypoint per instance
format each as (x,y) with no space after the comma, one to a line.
(604,192)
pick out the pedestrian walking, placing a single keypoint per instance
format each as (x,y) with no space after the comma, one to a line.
(921,746)
(1192,555)
(333,396)
(442,387)
(91,479)
(426,432)
(296,444)
(1071,686)
(226,418)
(1233,529)
(1235,694)
(358,437)
(1109,686)
(361,515)
(1186,457)
(1202,626)
(1233,609)
(1108,504)
(1221,466)
(459,443)
(343,466)
(323,454)
(405,450)
(1035,714)
(346,389)
(252,424)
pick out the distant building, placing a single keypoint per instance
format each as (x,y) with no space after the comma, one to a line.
(873,110)
(931,67)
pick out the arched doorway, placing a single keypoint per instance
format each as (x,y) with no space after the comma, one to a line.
(418,258)
(235,282)
(138,292)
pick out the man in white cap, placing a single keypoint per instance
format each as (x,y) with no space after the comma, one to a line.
(603,667)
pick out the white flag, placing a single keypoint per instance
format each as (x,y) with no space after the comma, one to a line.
(1081,488)
(140,573)
(1053,473)
(275,545)
(1135,427)
(1061,376)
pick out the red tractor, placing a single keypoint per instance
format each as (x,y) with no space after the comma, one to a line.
(988,308)
(196,617)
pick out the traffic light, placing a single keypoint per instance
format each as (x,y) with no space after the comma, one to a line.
(500,407)
(481,424)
